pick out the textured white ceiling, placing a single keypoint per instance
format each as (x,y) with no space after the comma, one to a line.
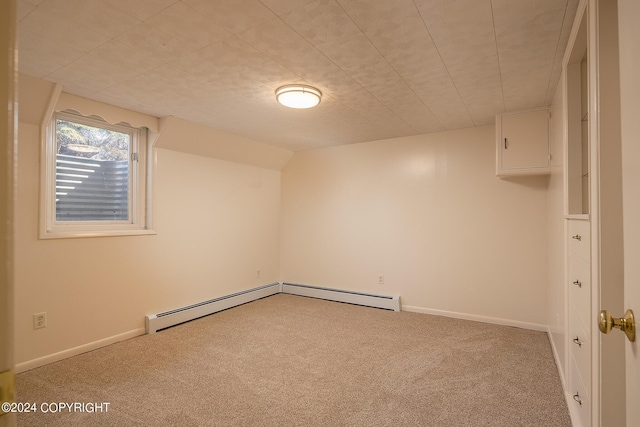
(387,68)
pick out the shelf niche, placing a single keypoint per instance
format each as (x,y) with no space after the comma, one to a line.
(578,155)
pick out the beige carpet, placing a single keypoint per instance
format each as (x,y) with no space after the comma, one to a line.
(287,360)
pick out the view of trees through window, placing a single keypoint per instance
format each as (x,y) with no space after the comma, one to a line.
(81,140)
(92,172)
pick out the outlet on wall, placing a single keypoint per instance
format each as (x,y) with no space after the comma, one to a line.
(380,279)
(257,273)
(39,320)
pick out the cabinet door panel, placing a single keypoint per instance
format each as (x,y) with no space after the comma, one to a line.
(580,289)
(578,399)
(579,238)
(580,350)
(525,140)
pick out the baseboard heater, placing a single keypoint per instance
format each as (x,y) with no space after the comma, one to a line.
(156,322)
(351,297)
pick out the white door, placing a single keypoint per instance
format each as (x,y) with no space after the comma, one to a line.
(629,39)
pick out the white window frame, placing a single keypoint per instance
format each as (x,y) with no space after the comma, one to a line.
(139,185)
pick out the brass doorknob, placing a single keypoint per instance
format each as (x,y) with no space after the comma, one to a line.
(626,324)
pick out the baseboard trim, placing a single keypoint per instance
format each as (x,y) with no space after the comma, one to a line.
(568,397)
(56,357)
(156,322)
(556,357)
(387,302)
(477,318)
(339,295)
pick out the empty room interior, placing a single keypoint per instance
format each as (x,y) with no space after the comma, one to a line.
(426,240)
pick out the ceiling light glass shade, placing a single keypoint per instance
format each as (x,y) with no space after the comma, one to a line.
(298,96)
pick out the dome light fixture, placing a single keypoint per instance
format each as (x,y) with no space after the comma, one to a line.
(298,96)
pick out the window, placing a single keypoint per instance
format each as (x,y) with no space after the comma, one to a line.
(95,178)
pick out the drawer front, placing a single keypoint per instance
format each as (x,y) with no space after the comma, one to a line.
(579,235)
(578,401)
(580,350)
(579,282)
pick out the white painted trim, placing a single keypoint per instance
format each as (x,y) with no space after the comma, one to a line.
(568,397)
(594,208)
(109,113)
(152,163)
(388,302)
(45,167)
(51,105)
(288,288)
(55,357)
(155,322)
(105,233)
(50,228)
(477,318)
(578,217)
(556,357)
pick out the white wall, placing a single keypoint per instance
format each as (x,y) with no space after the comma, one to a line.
(426,211)
(429,214)
(217,223)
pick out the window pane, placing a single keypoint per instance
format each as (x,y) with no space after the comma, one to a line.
(92,173)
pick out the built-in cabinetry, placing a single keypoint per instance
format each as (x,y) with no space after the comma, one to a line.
(595,268)
(522,143)
(579,314)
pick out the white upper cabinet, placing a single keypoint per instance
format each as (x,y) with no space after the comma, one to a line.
(522,143)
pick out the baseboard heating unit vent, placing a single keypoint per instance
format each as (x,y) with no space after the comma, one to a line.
(359,298)
(155,322)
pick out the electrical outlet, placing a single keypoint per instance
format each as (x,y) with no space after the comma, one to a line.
(39,320)
(380,279)
(258,274)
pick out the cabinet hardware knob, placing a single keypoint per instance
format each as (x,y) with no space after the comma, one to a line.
(578,283)
(577,237)
(576,340)
(576,397)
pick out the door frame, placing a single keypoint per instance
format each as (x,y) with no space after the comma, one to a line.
(607,267)
(8,162)
(628,12)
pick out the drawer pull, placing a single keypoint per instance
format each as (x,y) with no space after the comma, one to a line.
(578,283)
(576,340)
(577,237)
(576,397)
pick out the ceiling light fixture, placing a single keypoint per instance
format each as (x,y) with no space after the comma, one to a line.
(298,96)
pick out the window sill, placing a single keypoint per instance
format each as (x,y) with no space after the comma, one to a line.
(82,234)
(583,217)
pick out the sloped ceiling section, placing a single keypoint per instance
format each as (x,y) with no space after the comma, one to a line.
(386,68)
